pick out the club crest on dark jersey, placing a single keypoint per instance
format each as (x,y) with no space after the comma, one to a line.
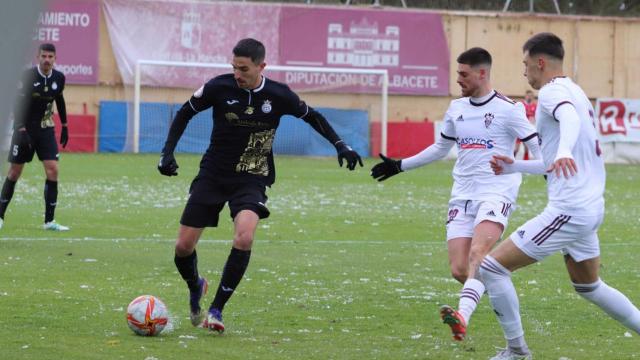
(266,107)
(488,118)
(249,110)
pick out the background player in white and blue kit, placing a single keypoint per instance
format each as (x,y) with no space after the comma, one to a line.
(575,181)
(482,123)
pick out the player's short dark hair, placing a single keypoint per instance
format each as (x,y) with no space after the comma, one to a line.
(475,56)
(47,47)
(250,48)
(544,43)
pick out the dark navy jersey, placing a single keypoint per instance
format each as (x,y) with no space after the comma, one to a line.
(36,94)
(244,128)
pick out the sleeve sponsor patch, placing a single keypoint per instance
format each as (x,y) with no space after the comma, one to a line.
(199,92)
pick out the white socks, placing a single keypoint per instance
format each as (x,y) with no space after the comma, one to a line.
(612,301)
(503,297)
(504,300)
(469,298)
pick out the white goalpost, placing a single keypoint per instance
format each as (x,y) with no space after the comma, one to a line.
(382,73)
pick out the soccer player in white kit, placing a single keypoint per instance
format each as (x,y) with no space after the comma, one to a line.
(575,170)
(482,123)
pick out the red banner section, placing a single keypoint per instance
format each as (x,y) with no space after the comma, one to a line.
(82,133)
(404,139)
(73,27)
(410,45)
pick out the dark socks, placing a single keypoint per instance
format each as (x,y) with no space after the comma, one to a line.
(234,269)
(50,199)
(6,195)
(188,269)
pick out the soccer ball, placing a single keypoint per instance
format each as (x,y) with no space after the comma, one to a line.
(147,315)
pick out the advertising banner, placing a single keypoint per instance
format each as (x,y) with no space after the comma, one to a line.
(410,45)
(185,32)
(618,120)
(73,27)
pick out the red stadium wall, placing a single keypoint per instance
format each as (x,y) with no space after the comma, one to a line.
(403,138)
(82,133)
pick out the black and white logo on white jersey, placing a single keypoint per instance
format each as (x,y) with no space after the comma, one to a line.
(488,118)
(521,233)
(460,118)
(491,213)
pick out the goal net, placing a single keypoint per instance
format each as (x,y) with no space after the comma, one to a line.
(353,100)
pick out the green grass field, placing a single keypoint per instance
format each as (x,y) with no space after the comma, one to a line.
(345,268)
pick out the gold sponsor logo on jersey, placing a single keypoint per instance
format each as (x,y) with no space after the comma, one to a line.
(249,110)
(255,158)
(47,119)
(231,116)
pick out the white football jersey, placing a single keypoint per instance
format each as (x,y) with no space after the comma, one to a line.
(581,194)
(480,131)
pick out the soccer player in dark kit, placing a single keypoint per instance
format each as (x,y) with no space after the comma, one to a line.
(33,132)
(236,168)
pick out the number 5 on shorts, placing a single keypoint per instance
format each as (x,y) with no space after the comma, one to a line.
(15,150)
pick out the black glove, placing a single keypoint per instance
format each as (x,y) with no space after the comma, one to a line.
(64,136)
(168,165)
(386,169)
(345,152)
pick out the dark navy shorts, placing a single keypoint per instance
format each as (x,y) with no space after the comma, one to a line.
(207,198)
(43,142)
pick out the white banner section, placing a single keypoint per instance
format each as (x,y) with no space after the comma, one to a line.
(618,120)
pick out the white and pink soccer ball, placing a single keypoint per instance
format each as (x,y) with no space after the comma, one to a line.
(147,315)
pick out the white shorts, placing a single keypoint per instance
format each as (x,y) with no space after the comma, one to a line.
(464,215)
(552,231)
